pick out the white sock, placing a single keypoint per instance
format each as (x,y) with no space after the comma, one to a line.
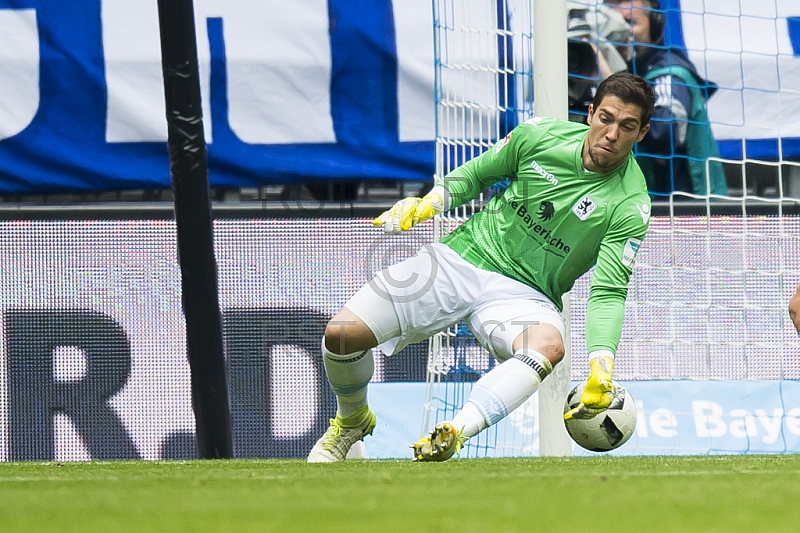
(502,390)
(348,375)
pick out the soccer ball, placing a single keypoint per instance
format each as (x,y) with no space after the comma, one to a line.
(610,429)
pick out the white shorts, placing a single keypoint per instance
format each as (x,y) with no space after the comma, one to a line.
(437,288)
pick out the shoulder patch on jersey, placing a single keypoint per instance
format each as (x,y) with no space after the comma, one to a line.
(644,211)
(503,142)
(584,207)
(629,252)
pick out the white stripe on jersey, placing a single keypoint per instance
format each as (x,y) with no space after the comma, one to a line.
(663,90)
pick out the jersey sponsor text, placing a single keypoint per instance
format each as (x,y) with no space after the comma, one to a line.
(543,173)
(545,235)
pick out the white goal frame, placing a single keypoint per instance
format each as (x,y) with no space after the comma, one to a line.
(551,99)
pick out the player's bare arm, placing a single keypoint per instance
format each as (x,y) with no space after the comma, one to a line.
(794,309)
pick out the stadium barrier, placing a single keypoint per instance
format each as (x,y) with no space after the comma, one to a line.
(93,341)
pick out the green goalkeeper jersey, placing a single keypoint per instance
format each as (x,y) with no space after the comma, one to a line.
(555,220)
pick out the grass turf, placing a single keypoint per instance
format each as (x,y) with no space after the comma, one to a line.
(608,494)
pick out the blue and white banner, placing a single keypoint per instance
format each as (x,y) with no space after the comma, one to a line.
(320,89)
(751,50)
(680,417)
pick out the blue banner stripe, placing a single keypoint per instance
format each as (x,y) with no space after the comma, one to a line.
(760,148)
(794,33)
(364,77)
(673,34)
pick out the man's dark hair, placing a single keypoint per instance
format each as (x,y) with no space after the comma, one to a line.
(631,89)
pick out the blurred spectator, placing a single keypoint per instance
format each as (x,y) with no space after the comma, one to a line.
(592,35)
(680,140)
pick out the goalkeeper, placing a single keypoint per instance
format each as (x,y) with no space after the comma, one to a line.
(576,199)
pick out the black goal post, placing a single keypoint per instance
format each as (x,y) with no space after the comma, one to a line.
(189,174)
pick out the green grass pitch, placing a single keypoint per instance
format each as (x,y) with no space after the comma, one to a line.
(590,494)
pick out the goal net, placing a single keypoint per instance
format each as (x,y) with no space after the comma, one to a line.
(707,304)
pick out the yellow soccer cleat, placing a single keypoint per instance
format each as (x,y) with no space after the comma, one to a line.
(440,445)
(333,446)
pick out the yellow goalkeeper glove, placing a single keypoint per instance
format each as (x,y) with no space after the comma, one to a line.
(409,212)
(597,394)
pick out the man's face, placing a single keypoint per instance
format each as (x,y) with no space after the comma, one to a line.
(614,127)
(637,13)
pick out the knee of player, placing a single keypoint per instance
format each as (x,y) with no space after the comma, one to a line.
(347,334)
(545,340)
(553,350)
(334,337)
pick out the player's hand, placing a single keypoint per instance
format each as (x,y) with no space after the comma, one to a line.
(598,392)
(409,212)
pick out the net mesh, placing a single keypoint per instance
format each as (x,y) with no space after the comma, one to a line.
(708,297)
